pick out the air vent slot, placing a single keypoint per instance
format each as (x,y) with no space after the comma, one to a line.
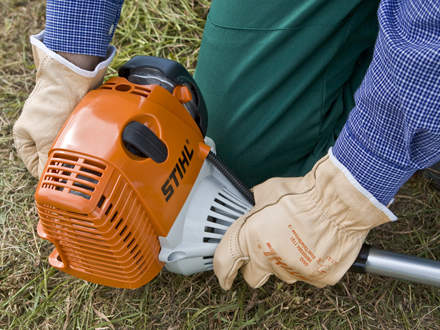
(125,88)
(208,260)
(141,91)
(101,201)
(107,85)
(72,174)
(225,209)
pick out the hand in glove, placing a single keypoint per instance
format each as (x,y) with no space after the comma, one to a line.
(60,85)
(307,229)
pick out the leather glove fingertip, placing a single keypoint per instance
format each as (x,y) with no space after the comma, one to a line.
(26,148)
(255,276)
(29,155)
(226,279)
(228,257)
(43,155)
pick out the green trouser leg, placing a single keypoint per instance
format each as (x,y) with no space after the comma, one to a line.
(278,78)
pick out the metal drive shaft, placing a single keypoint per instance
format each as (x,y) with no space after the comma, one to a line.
(396,265)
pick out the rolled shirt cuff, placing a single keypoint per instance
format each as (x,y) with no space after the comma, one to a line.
(377,175)
(81,27)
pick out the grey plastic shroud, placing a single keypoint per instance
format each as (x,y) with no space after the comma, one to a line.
(213,204)
(403,267)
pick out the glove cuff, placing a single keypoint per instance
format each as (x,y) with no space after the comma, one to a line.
(373,200)
(343,201)
(37,42)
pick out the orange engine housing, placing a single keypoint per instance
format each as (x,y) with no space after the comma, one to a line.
(102,206)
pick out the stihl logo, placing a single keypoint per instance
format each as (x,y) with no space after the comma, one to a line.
(180,168)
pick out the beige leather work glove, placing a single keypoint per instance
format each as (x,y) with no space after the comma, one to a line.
(60,85)
(307,229)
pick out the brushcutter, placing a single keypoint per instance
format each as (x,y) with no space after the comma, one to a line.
(132,185)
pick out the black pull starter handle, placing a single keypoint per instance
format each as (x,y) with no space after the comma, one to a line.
(142,142)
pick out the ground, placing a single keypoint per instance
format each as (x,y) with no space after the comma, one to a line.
(34,295)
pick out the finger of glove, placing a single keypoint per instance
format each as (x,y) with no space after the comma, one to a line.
(26,149)
(42,159)
(229,255)
(254,275)
(270,191)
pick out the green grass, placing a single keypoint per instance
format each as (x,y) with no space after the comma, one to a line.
(34,295)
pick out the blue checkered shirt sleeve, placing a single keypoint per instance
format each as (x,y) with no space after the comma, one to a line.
(81,26)
(394,129)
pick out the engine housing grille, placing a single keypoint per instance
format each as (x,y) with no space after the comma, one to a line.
(115,244)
